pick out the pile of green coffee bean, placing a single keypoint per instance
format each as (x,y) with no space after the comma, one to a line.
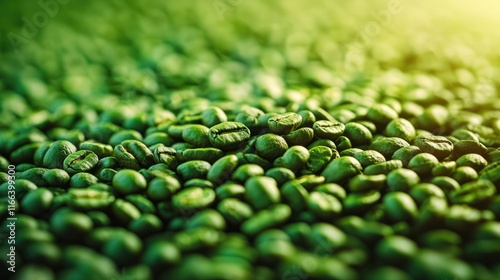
(225,147)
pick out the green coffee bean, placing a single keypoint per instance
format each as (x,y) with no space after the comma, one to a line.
(124,212)
(196,135)
(207,218)
(158,138)
(402,179)
(396,249)
(247,171)
(464,147)
(146,224)
(124,135)
(133,154)
(360,202)
(465,174)
(207,154)
(405,154)
(56,177)
(193,169)
(295,195)
(193,198)
(475,193)
(82,180)
(341,169)
(423,164)
(37,202)
(253,159)
(362,182)
(438,146)
(270,146)
(447,184)
(475,161)
(285,123)
(165,155)
(273,216)
(123,248)
(80,161)
(422,191)
(387,146)
(343,143)
(280,174)
(332,189)
(400,206)
(368,157)
(141,202)
(383,167)
(213,115)
(323,205)
(162,188)
(328,130)
(55,154)
(357,133)
(66,224)
(127,181)
(262,192)
(101,150)
(428,264)
(319,157)
(381,114)
(301,137)
(228,135)
(294,158)
(234,211)
(445,168)
(323,142)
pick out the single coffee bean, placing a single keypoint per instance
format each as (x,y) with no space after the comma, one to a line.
(56,153)
(193,198)
(357,203)
(133,154)
(332,189)
(166,155)
(273,216)
(475,193)
(381,114)
(423,164)
(295,195)
(358,134)
(208,154)
(368,157)
(323,205)
(402,179)
(37,202)
(319,157)
(141,202)
(56,177)
(101,150)
(124,135)
(196,135)
(80,161)
(383,167)
(270,146)
(284,123)
(246,158)
(262,191)
(464,147)
(213,115)
(230,190)
(295,158)
(395,250)
(323,142)
(341,169)
(89,199)
(362,182)
(82,180)
(328,129)
(222,169)
(162,188)
(123,248)
(193,169)
(387,146)
(401,128)
(400,206)
(228,135)
(235,211)
(438,146)
(302,136)
(405,154)
(422,191)
(465,174)
(445,168)
(475,161)
(280,174)
(308,118)
(128,181)
(343,143)
(70,225)
(156,138)
(445,183)
(247,171)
